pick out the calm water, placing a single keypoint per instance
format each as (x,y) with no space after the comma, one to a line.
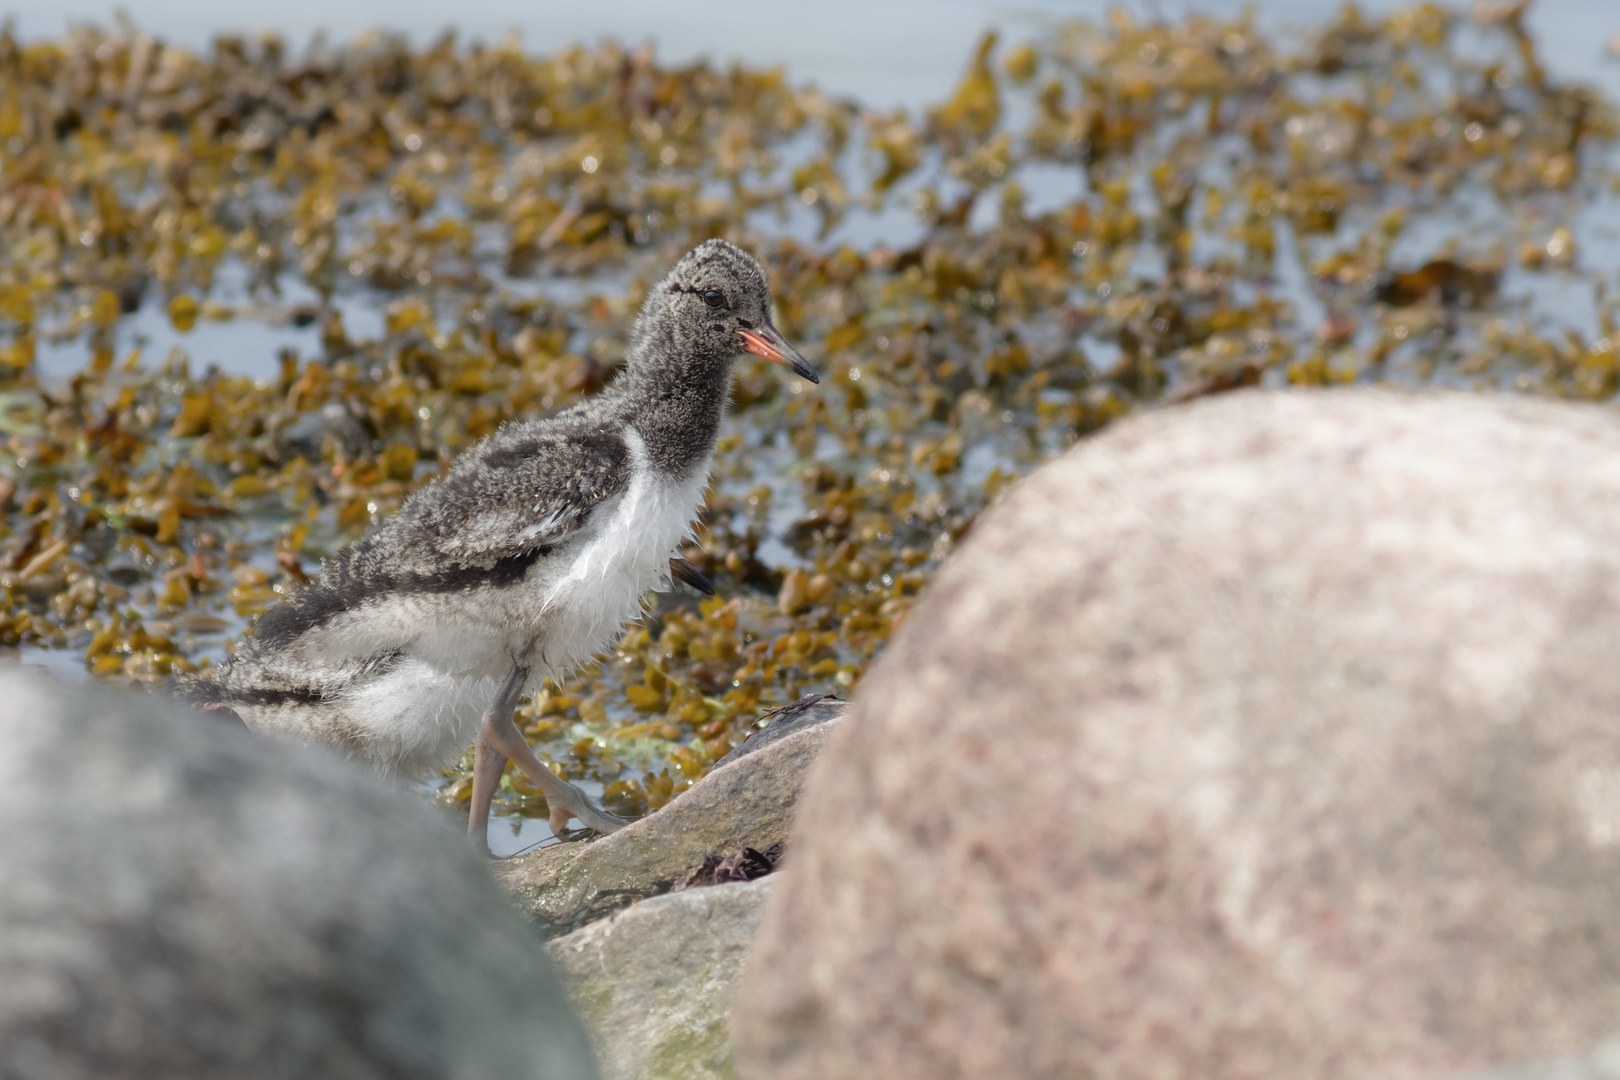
(903,52)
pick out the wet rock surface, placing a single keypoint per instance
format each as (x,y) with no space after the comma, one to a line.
(705,835)
(205,903)
(1270,736)
(778,724)
(655,982)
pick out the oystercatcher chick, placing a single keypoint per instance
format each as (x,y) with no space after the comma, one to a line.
(524,561)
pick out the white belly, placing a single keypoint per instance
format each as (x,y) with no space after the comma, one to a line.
(405,721)
(585,609)
(578,600)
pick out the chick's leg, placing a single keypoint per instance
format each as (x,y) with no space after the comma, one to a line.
(502,736)
(488,763)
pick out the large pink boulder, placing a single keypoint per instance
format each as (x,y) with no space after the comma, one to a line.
(1275,736)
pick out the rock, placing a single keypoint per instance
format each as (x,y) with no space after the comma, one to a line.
(654,982)
(181,899)
(1272,736)
(807,712)
(747,801)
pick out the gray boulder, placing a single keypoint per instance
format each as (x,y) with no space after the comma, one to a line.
(180,899)
(1273,736)
(654,983)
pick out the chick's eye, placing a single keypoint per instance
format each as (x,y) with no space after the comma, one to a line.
(713,298)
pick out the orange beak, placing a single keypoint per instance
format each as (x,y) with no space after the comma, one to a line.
(769,343)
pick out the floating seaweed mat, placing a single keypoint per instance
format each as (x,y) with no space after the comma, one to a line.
(250,298)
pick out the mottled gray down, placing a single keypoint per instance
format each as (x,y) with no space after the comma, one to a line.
(531,485)
(462,582)
(203,903)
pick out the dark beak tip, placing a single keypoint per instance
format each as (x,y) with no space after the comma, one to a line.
(681,570)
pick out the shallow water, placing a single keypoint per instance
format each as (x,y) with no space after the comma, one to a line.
(912,431)
(900,53)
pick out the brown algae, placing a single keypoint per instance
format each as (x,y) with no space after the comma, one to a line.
(250,299)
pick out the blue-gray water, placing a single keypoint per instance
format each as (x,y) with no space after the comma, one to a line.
(885,53)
